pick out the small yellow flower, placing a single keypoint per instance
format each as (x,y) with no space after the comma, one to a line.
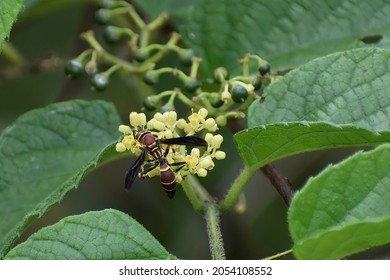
(167,126)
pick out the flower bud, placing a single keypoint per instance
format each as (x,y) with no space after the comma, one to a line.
(181,123)
(206,163)
(150,124)
(167,134)
(203,112)
(202,172)
(160,126)
(208,138)
(221,120)
(216,141)
(142,119)
(134,119)
(120,147)
(159,117)
(188,129)
(125,129)
(171,117)
(213,128)
(209,123)
(220,155)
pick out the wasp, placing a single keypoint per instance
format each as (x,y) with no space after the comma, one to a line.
(152,146)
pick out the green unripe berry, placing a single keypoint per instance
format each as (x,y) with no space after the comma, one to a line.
(111,34)
(99,82)
(186,57)
(215,99)
(149,103)
(192,85)
(141,55)
(264,68)
(102,16)
(239,93)
(107,3)
(256,82)
(218,103)
(221,121)
(150,78)
(74,69)
(167,108)
(221,74)
(91,67)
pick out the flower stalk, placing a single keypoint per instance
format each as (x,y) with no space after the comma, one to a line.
(236,189)
(214,232)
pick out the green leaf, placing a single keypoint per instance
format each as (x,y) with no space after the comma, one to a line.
(175,8)
(344,88)
(345,209)
(100,235)
(9,10)
(44,154)
(262,145)
(286,33)
(42,7)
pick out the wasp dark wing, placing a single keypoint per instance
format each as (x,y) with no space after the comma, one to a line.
(186,140)
(134,170)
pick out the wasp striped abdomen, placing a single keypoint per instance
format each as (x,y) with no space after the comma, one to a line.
(167,179)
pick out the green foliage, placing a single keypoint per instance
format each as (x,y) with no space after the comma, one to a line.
(345,209)
(265,144)
(9,10)
(338,100)
(343,88)
(100,235)
(45,154)
(348,90)
(286,33)
(177,8)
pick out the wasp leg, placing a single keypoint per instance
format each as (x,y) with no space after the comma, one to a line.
(180,163)
(144,171)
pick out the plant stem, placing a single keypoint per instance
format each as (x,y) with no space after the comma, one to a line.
(280,182)
(175,37)
(135,17)
(90,38)
(158,22)
(12,54)
(196,193)
(236,189)
(186,100)
(214,232)
(195,66)
(279,255)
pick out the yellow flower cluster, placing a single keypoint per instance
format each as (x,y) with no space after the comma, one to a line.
(198,161)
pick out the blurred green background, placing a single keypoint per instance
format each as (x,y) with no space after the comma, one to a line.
(46,36)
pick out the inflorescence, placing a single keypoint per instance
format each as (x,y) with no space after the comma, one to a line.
(196,162)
